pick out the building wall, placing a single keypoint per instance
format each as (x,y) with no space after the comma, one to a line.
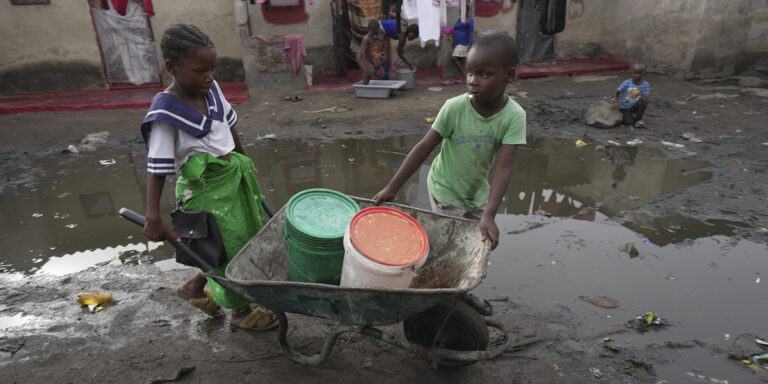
(43,56)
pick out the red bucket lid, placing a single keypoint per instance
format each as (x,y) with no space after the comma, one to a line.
(388,236)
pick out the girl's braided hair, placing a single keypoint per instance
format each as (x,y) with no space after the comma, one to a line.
(181,40)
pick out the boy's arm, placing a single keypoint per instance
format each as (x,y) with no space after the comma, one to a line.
(502,170)
(154,227)
(400,50)
(415,158)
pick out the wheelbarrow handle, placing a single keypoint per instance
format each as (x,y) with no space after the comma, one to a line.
(182,248)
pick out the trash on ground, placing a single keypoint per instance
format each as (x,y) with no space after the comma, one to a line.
(292,98)
(430,119)
(761,342)
(601,301)
(706,379)
(435,89)
(630,249)
(580,143)
(269,136)
(335,108)
(616,143)
(247,115)
(688,135)
(71,149)
(645,321)
(95,300)
(635,142)
(107,162)
(671,144)
(596,373)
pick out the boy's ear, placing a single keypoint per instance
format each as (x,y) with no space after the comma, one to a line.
(510,74)
(170,66)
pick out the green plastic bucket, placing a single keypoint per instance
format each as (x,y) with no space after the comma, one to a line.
(314,232)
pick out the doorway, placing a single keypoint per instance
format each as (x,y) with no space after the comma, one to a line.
(533,46)
(127,46)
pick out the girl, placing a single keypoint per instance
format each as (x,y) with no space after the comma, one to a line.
(189,130)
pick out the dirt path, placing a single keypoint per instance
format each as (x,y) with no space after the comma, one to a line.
(151,336)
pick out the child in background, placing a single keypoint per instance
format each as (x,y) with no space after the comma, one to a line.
(189,130)
(480,131)
(463,32)
(372,55)
(632,97)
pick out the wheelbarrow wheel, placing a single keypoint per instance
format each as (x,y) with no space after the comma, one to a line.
(464,330)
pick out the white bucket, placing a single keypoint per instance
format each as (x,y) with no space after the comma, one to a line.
(407,75)
(359,271)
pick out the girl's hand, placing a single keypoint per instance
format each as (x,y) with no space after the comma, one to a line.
(384,195)
(489,230)
(157,230)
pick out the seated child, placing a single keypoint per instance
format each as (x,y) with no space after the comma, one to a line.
(632,97)
(479,132)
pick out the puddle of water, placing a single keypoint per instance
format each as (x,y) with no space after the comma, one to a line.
(63,218)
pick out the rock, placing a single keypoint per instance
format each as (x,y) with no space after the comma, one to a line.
(744,346)
(602,115)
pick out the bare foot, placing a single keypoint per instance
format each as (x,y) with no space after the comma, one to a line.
(194,287)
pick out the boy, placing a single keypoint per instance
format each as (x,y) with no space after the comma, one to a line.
(475,129)
(632,97)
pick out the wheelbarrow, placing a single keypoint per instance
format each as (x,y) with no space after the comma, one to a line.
(441,321)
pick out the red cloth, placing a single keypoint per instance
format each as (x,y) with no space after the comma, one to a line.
(296,51)
(121,6)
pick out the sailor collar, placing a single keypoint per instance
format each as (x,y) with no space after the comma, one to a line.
(170,109)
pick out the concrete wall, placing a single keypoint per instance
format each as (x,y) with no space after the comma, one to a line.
(48,47)
(54,47)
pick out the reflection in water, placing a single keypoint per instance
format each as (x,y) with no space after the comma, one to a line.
(66,218)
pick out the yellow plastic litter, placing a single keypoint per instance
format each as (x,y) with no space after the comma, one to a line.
(335,108)
(430,119)
(580,143)
(95,300)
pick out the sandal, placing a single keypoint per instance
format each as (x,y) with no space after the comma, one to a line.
(205,304)
(448,82)
(258,320)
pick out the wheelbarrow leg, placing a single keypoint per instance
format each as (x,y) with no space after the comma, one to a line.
(315,359)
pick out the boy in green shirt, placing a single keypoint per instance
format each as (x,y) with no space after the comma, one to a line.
(480,131)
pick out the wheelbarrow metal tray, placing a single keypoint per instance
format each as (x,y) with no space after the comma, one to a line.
(456,263)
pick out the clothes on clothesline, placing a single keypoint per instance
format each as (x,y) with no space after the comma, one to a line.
(450,3)
(296,51)
(120,6)
(429,22)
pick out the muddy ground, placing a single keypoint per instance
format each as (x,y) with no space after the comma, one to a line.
(149,335)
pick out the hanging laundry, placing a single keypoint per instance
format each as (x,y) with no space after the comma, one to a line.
(450,3)
(429,22)
(553,17)
(120,6)
(410,9)
(296,51)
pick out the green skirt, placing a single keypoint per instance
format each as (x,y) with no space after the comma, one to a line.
(230,191)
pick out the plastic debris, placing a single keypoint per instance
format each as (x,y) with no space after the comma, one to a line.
(671,144)
(95,300)
(430,119)
(247,115)
(71,149)
(107,162)
(580,143)
(630,249)
(616,143)
(706,379)
(596,373)
(761,342)
(556,367)
(335,108)
(435,89)
(688,135)
(635,142)
(651,318)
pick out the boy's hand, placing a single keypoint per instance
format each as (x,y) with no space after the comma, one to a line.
(489,230)
(157,230)
(384,195)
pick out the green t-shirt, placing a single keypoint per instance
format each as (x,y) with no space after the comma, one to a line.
(459,174)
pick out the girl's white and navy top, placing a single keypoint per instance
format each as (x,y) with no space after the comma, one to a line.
(173,131)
